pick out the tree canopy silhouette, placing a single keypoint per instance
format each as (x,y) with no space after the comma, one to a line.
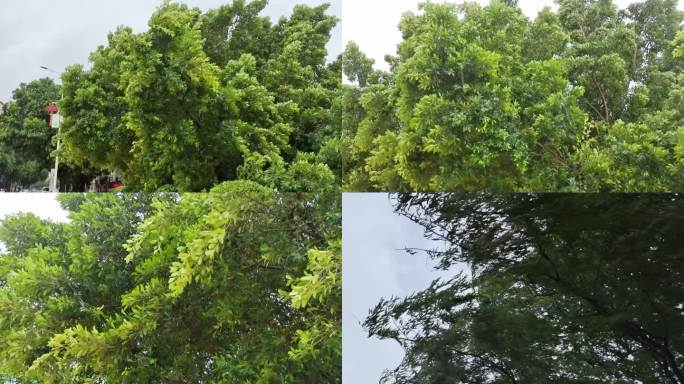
(549,288)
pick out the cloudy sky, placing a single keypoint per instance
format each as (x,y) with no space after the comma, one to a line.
(378,36)
(375,267)
(56,34)
(44,205)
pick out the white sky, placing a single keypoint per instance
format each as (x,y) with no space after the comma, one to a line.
(43,205)
(373,267)
(56,34)
(373,24)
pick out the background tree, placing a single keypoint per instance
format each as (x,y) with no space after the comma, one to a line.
(564,288)
(237,285)
(357,67)
(25,137)
(94,131)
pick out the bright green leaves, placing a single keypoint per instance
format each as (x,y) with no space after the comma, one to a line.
(320,281)
(319,293)
(240,284)
(202,245)
(679,45)
(188,103)
(195,262)
(481,98)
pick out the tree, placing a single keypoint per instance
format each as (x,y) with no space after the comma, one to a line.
(203,98)
(482,98)
(604,53)
(94,132)
(357,66)
(240,284)
(470,114)
(564,288)
(297,74)
(25,136)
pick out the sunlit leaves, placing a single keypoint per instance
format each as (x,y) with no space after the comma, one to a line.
(241,284)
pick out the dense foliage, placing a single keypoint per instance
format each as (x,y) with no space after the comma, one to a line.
(547,288)
(201,98)
(237,285)
(27,143)
(586,98)
(25,138)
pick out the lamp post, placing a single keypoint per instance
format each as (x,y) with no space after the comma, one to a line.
(53,179)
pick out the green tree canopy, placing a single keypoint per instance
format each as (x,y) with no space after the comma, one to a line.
(547,288)
(482,98)
(201,98)
(238,285)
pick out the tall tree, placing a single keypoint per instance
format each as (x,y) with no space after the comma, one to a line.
(203,98)
(578,99)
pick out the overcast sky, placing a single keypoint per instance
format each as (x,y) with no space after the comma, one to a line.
(374,267)
(56,34)
(44,205)
(378,36)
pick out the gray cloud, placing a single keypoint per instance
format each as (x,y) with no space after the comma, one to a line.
(58,34)
(374,267)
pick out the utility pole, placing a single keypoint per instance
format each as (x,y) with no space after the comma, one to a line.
(53,179)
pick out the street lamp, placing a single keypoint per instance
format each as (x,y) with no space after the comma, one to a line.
(53,179)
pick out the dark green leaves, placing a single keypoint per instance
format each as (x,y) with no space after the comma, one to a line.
(569,288)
